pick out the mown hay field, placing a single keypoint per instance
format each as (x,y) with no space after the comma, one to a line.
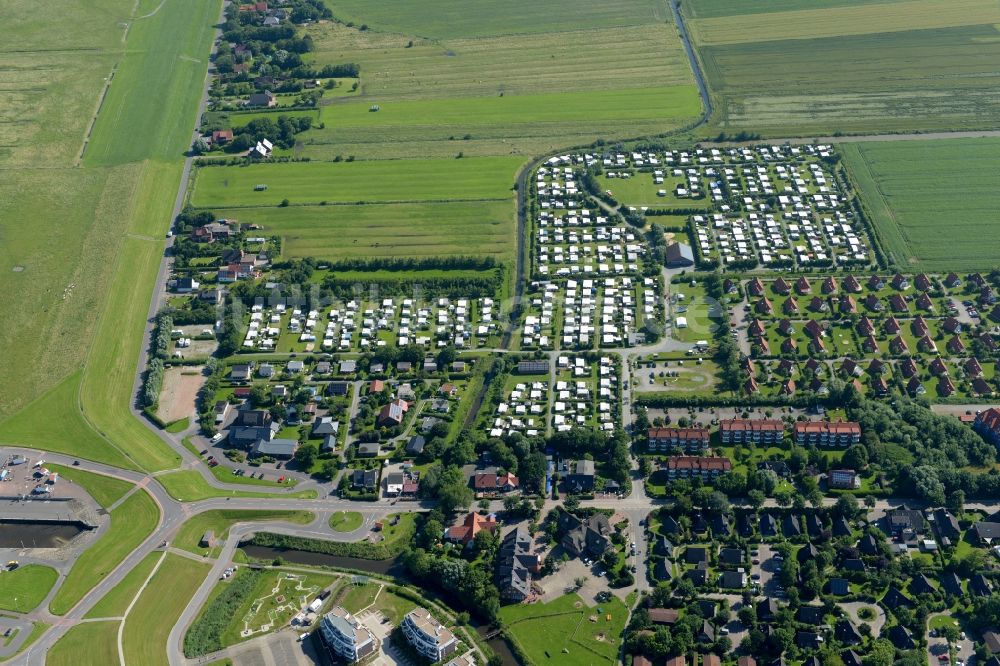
(444,19)
(518,90)
(473,228)
(864,19)
(343,182)
(907,80)
(932,202)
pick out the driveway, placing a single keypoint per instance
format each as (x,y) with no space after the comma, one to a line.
(767,570)
(390,655)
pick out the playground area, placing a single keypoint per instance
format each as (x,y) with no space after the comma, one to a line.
(290,593)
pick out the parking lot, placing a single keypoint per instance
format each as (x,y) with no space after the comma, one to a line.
(767,570)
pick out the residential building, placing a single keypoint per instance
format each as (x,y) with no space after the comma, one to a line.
(344,635)
(579,476)
(516,564)
(826,433)
(843,479)
(691,440)
(987,424)
(751,431)
(705,467)
(490,483)
(472,525)
(428,636)
(585,537)
(392,414)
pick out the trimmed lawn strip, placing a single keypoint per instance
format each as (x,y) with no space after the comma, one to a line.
(148,625)
(114,603)
(105,490)
(346,521)
(97,640)
(221,520)
(26,587)
(133,521)
(189,486)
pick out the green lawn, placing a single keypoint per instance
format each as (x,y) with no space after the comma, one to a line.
(180,425)
(159,606)
(105,490)
(356,598)
(26,587)
(97,640)
(916,190)
(189,486)
(133,521)
(349,182)
(220,520)
(226,475)
(561,631)
(114,603)
(346,521)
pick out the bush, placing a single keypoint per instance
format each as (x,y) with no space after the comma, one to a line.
(205,635)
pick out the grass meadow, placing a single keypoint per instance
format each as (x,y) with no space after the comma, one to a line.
(448,19)
(26,587)
(920,192)
(220,520)
(189,486)
(115,602)
(567,630)
(349,182)
(95,230)
(148,625)
(831,67)
(429,229)
(131,522)
(97,640)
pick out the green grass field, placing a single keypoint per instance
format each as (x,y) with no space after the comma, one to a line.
(900,66)
(115,602)
(919,192)
(219,521)
(346,521)
(131,522)
(97,640)
(349,182)
(26,587)
(105,490)
(389,230)
(103,223)
(189,486)
(148,625)
(443,19)
(562,631)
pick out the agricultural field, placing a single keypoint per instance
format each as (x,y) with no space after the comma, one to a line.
(918,192)
(887,67)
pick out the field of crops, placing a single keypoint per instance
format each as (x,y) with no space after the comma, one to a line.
(473,228)
(712,8)
(922,192)
(914,77)
(342,182)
